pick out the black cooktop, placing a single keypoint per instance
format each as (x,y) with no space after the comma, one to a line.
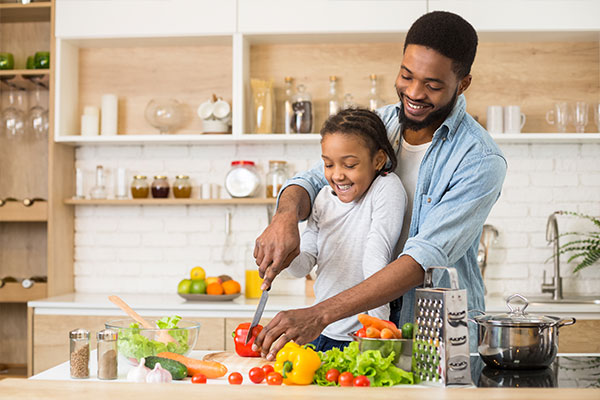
(567,371)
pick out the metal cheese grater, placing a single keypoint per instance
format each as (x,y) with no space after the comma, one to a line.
(441,335)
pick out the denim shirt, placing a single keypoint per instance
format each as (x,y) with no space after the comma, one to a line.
(459,181)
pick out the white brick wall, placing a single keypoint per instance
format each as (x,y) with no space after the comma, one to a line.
(150,248)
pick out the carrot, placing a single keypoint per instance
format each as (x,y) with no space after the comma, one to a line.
(212,369)
(386,333)
(373,332)
(368,320)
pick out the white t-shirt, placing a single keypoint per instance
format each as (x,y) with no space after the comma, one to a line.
(409,162)
(350,242)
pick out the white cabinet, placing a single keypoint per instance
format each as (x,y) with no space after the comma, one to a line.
(142,18)
(525,15)
(320,16)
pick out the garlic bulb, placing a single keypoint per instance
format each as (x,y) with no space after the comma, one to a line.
(159,375)
(138,374)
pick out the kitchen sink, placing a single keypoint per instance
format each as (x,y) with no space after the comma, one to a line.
(565,300)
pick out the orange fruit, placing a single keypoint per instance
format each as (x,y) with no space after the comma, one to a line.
(214,288)
(231,287)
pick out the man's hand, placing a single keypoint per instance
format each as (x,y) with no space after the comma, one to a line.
(279,244)
(301,326)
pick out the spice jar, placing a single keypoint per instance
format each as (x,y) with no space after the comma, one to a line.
(139,187)
(276,177)
(182,188)
(107,354)
(79,350)
(160,187)
(242,180)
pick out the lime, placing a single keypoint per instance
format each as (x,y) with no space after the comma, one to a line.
(407,330)
(184,286)
(198,286)
(197,273)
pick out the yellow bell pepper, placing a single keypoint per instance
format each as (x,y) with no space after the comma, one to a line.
(297,365)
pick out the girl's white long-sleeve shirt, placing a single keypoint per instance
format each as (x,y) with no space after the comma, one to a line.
(350,242)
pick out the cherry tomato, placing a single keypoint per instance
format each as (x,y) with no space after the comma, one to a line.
(235,378)
(199,378)
(274,378)
(257,375)
(267,368)
(362,380)
(332,375)
(346,379)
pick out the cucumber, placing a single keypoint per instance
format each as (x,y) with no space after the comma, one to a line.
(178,370)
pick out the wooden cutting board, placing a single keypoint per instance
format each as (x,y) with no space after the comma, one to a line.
(235,363)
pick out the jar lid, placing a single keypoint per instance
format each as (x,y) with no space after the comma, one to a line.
(107,334)
(182,177)
(79,334)
(333,78)
(277,162)
(160,177)
(242,162)
(139,177)
(517,316)
(288,79)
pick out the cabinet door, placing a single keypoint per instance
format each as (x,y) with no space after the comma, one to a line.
(525,15)
(267,16)
(139,18)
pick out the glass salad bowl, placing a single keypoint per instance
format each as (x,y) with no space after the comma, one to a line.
(402,349)
(135,342)
(164,114)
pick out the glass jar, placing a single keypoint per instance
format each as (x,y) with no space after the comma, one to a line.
(302,121)
(288,113)
(107,354)
(99,190)
(333,103)
(139,187)
(263,104)
(276,177)
(160,187)
(182,188)
(79,350)
(242,180)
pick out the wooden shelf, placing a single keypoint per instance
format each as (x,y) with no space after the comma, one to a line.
(13,371)
(169,202)
(33,12)
(26,78)
(17,212)
(188,139)
(14,292)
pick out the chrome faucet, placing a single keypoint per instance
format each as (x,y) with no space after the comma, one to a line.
(555,287)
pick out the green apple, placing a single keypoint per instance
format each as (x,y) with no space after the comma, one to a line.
(7,61)
(198,286)
(184,286)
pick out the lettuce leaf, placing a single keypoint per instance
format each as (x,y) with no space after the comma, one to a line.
(380,370)
(132,344)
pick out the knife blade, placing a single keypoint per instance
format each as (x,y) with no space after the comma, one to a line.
(258,313)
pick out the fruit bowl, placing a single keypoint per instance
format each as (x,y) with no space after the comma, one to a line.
(402,349)
(135,342)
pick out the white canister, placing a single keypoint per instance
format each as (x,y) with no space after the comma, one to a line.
(495,123)
(89,125)
(109,118)
(242,180)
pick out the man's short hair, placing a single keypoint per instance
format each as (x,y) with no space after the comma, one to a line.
(448,34)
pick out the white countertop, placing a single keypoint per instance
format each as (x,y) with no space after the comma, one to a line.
(152,305)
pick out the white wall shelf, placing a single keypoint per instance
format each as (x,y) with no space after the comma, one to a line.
(547,138)
(170,202)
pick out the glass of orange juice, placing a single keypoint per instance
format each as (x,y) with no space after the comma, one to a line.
(253,282)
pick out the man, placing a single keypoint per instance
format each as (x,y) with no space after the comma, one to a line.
(452,171)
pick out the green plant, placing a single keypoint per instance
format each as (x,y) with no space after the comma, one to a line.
(586,249)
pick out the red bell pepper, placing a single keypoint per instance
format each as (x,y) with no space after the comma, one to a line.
(239,338)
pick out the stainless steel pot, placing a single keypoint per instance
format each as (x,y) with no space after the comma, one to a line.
(518,340)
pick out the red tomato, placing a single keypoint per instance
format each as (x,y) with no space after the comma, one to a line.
(362,332)
(199,378)
(362,380)
(267,368)
(332,375)
(346,379)
(235,378)
(257,375)
(274,378)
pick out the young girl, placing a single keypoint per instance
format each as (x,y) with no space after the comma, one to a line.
(355,222)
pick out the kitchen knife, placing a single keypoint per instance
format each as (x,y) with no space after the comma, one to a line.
(259,312)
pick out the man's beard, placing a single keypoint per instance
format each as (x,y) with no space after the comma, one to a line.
(436,116)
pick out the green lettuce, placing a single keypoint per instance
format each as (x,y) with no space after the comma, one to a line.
(380,370)
(132,344)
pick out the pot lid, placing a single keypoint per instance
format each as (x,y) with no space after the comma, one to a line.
(517,315)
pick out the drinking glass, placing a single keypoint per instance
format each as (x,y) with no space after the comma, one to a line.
(559,116)
(36,121)
(12,119)
(580,116)
(597,116)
